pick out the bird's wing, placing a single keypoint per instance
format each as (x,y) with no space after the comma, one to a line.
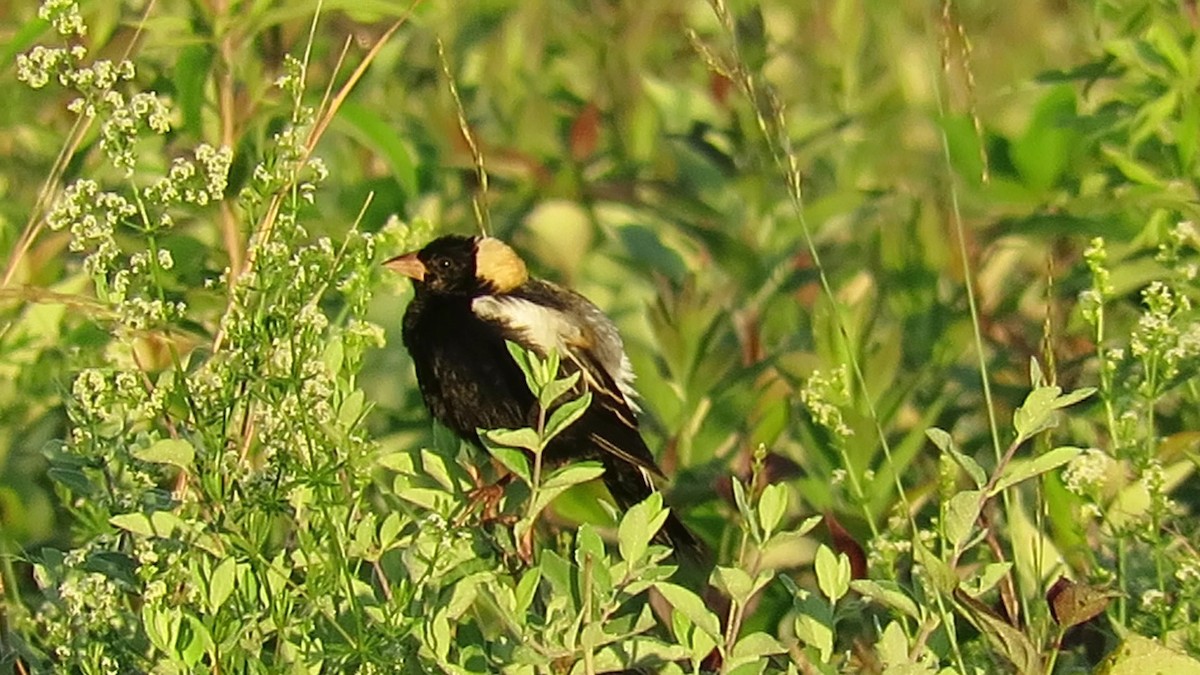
(588,343)
(549,317)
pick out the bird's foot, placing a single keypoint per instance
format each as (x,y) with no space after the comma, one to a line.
(486,499)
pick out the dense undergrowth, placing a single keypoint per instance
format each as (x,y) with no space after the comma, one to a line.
(910,293)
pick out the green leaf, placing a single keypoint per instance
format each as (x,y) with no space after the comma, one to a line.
(699,643)
(691,606)
(1008,641)
(743,505)
(548,369)
(435,467)
(528,362)
(943,578)
(351,408)
(588,544)
(465,591)
(364,533)
(157,524)
(946,444)
(771,507)
(1135,171)
(437,501)
(893,647)
(833,573)
(514,460)
(73,479)
(889,594)
(221,583)
(991,575)
(961,513)
(635,652)
(557,571)
(639,526)
(1041,154)
(375,133)
(815,633)
(162,626)
(1021,470)
(192,64)
(526,590)
(1073,397)
(334,355)
(1034,415)
(573,474)
(559,482)
(389,530)
(809,524)
(1036,377)
(400,462)
(754,646)
(1142,656)
(513,438)
(173,451)
(552,391)
(566,414)
(199,642)
(734,582)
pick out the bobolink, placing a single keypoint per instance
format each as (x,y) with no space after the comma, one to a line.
(474,293)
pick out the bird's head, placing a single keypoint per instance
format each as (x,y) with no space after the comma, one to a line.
(457,265)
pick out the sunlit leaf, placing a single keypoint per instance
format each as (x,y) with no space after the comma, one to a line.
(173,451)
(1021,470)
(690,605)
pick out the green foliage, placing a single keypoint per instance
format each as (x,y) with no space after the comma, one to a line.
(946,308)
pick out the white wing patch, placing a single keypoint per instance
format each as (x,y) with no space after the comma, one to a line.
(547,328)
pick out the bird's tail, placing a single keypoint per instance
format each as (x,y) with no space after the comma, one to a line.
(681,538)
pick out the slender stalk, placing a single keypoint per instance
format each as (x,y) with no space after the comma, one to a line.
(227,111)
(537,464)
(589,659)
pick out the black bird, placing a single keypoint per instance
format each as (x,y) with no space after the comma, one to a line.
(474,293)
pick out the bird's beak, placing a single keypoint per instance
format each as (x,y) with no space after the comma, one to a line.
(408,265)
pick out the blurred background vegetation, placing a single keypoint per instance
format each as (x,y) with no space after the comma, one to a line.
(621,164)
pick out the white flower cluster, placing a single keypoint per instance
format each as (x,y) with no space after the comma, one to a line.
(125,120)
(193,181)
(1178,250)
(292,79)
(117,396)
(64,16)
(94,82)
(824,395)
(138,313)
(1091,300)
(1087,471)
(1158,340)
(369,333)
(41,64)
(92,216)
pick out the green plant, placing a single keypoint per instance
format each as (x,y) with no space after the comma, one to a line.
(835,242)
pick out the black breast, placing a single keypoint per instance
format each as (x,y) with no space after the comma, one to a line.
(467,377)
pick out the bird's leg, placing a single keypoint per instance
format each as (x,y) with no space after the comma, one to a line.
(525,547)
(487,497)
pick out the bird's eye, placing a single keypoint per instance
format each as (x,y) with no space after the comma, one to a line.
(444,263)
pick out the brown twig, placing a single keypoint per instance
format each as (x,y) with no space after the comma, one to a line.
(479,198)
(267,223)
(227,108)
